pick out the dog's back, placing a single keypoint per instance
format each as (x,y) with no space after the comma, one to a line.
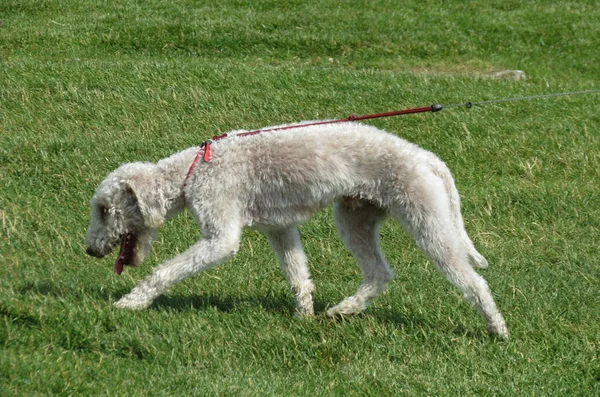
(309,168)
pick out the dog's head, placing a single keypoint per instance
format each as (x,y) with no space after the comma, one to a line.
(127,207)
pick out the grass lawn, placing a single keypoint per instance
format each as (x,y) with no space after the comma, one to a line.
(86,86)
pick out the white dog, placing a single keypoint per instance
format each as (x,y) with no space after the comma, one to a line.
(272,182)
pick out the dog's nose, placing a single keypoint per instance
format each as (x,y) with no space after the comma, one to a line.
(90,251)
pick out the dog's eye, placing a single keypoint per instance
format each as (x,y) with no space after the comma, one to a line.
(103,211)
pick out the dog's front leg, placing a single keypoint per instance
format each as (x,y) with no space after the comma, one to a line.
(292,259)
(203,255)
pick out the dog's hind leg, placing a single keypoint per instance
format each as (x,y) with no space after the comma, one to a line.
(358,225)
(292,259)
(425,212)
(441,171)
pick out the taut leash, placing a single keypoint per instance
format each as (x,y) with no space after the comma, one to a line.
(521,98)
(205,152)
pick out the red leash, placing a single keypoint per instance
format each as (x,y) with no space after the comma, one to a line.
(432,108)
(204,151)
(205,147)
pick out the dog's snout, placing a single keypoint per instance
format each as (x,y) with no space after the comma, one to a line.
(92,252)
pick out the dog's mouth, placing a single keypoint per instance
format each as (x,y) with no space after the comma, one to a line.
(125,257)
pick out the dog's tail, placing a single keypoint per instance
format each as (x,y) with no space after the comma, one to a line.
(442,171)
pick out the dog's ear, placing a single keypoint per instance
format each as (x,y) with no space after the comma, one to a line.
(150,201)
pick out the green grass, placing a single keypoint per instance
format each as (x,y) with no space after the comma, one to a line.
(86,86)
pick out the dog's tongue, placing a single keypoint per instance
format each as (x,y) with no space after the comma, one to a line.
(123,254)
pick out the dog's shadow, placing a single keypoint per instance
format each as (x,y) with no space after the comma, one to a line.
(273,304)
(279,305)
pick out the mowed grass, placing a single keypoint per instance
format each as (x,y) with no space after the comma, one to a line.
(86,86)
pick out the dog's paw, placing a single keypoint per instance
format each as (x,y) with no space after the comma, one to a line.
(498,329)
(132,303)
(500,332)
(347,307)
(304,312)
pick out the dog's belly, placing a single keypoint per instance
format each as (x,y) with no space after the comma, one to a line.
(261,218)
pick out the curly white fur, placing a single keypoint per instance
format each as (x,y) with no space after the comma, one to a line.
(276,180)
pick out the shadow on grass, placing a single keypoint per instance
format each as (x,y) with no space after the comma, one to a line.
(59,290)
(226,304)
(280,305)
(40,288)
(400,320)
(19,316)
(480,335)
(273,304)
(411,323)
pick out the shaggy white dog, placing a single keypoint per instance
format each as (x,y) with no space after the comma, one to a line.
(272,182)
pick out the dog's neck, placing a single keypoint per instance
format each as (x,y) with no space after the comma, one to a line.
(174,171)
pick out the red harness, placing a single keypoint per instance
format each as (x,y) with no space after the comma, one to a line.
(204,151)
